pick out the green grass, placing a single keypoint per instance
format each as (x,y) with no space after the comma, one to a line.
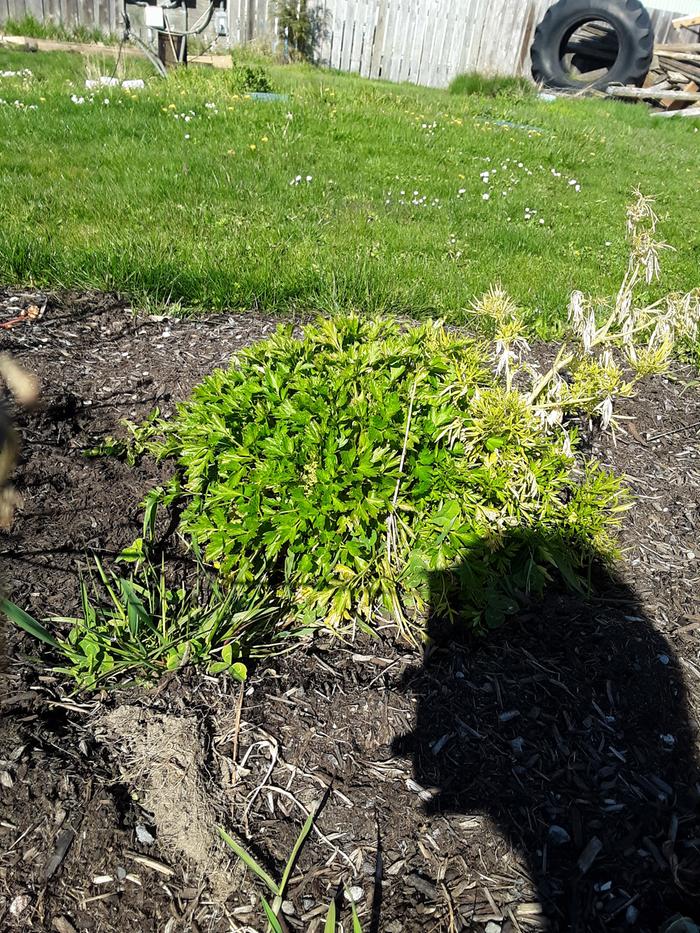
(117,196)
(498,86)
(31,27)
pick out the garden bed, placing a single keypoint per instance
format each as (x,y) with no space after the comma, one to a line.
(546,771)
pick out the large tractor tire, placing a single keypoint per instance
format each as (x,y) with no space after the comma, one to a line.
(617,42)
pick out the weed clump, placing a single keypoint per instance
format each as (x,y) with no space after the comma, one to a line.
(341,469)
(496,86)
(249,78)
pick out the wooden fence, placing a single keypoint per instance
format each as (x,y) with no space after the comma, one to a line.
(430,41)
(422,41)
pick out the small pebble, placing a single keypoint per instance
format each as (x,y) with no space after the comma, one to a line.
(558,835)
(143,835)
(508,715)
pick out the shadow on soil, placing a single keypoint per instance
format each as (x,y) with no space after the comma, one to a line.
(568,731)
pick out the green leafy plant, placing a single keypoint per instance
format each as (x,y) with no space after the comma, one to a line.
(133,445)
(343,468)
(277,889)
(247,78)
(140,626)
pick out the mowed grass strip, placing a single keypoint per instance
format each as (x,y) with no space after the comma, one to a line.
(347,194)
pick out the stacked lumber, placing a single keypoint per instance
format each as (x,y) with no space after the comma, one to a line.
(673,83)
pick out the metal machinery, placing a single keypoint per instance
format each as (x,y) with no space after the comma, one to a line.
(161,29)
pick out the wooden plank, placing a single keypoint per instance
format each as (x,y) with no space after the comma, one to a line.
(18,44)
(679,56)
(455,35)
(413,43)
(439,46)
(683,22)
(103,15)
(70,17)
(52,11)
(116,17)
(489,36)
(375,57)
(35,9)
(241,19)
(461,62)
(666,47)
(370,38)
(358,40)
(222,62)
(324,48)
(87,13)
(509,46)
(338,7)
(642,93)
(534,17)
(387,50)
(389,54)
(17,10)
(392,58)
(678,104)
(472,62)
(348,33)
(441,50)
(81,48)
(423,45)
(688,112)
(356,44)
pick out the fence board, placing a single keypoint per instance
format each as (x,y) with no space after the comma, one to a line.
(357,36)
(35,8)
(16,9)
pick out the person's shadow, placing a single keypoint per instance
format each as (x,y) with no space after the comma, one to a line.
(568,727)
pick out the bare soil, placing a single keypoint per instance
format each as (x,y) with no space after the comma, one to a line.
(544,777)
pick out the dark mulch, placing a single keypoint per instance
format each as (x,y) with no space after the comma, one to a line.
(543,777)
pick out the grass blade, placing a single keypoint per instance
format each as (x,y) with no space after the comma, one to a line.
(329,926)
(356,926)
(248,860)
(29,624)
(301,839)
(306,829)
(275,925)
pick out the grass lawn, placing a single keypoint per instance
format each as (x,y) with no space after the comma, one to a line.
(347,194)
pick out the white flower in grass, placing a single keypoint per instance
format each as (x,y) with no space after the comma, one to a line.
(588,331)
(662,333)
(504,357)
(485,196)
(576,312)
(566,445)
(606,412)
